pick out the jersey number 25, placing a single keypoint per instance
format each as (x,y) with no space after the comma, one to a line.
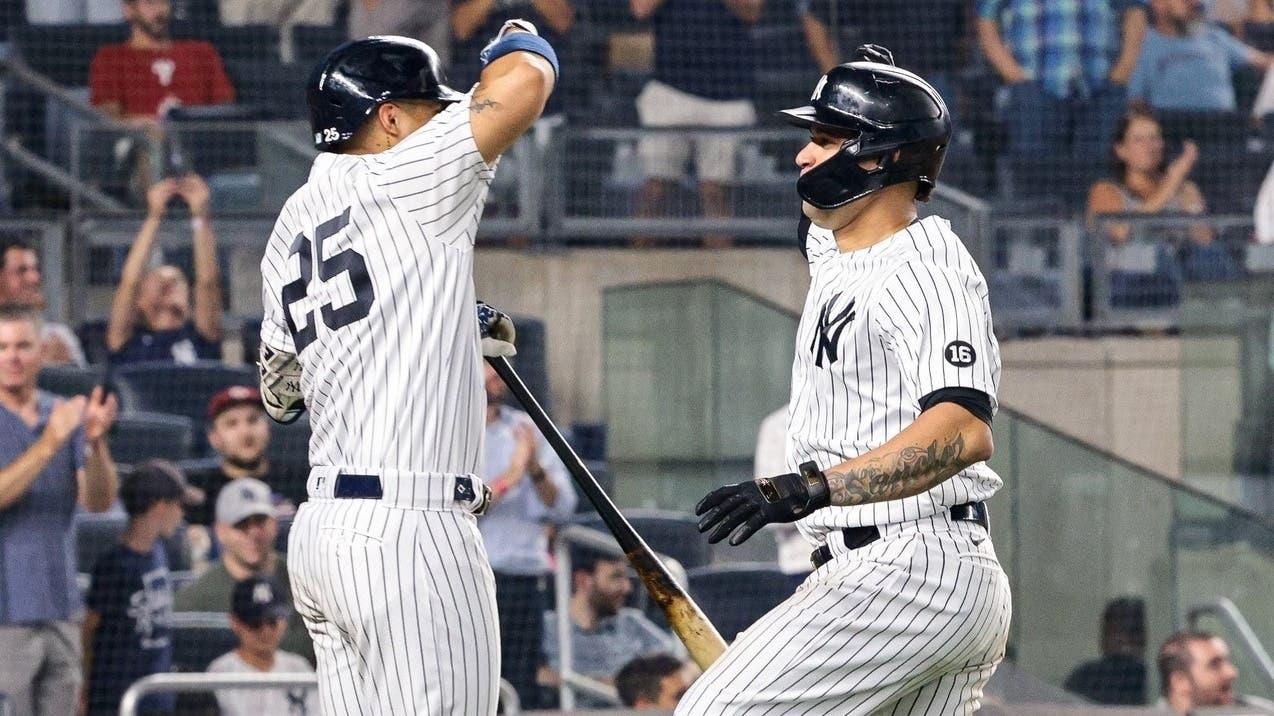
(349,261)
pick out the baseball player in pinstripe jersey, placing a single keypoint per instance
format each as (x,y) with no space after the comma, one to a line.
(893,391)
(369,323)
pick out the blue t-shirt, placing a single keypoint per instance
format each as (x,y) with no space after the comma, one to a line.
(180,345)
(133,594)
(37,556)
(1191,72)
(704,49)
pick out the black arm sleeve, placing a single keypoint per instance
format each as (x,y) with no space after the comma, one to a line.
(802,235)
(971,399)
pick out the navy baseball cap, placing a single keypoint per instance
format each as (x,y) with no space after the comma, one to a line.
(258,599)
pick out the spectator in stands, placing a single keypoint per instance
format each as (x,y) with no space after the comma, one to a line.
(425,20)
(150,314)
(475,22)
(1186,63)
(1119,676)
(21,285)
(605,634)
(652,683)
(239,433)
(141,79)
(704,77)
(126,634)
(1144,182)
(932,51)
(246,527)
(53,455)
(1066,67)
(530,491)
(1195,670)
(259,612)
(283,14)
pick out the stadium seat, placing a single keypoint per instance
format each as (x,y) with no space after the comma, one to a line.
(672,533)
(68,380)
(311,43)
(1226,129)
(92,335)
(243,42)
(182,389)
(736,595)
(290,445)
(269,87)
(139,436)
(94,535)
(64,52)
(199,637)
(281,540)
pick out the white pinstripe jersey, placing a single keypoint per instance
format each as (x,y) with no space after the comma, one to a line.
(882,328)
(368,279)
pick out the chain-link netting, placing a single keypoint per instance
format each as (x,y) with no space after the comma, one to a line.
(1106,157)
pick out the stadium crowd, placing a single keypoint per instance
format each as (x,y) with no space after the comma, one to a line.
(1143,84)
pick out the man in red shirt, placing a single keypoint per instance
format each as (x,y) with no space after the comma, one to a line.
(151,73)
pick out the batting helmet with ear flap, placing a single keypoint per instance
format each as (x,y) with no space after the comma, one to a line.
(360,75)
(882,111)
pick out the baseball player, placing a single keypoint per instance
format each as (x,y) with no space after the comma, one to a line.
(893,391)
(369,323)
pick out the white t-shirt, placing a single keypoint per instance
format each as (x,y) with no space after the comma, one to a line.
(276,702)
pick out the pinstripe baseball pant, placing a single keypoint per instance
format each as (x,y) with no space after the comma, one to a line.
(914,623)
(400,602)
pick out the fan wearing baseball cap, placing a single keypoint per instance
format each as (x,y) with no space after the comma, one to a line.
(239,433)
(259,612)
(246,525)
(126,632)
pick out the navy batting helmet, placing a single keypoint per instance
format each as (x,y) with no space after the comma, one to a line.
(882,111)
(359,75)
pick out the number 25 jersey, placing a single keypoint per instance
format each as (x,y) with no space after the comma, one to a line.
(368,279)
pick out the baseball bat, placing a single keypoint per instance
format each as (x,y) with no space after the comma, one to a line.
(684,616)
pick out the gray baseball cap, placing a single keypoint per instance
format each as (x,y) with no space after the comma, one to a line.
(242,498)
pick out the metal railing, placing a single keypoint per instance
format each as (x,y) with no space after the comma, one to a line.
(201,683)
(571,680)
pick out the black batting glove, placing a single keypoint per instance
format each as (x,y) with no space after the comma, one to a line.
(741,509)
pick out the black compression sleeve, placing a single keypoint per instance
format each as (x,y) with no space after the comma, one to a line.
(971,399)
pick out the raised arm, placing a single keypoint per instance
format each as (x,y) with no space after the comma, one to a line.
(643,9)
(820,41)
(208,304)
(557,14)
(123,309)
(468,16)
(748,11)
(511,92)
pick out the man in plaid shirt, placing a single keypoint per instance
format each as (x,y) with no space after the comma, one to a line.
(1066,64)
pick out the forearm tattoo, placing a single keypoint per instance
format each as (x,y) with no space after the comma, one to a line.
(478,105)
(906,472)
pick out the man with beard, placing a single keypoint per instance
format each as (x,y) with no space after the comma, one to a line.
(605,635)
(151,316)
(239,433)
(141,79)
(1186,62)
(246,526)
(1195,670)
(21,285)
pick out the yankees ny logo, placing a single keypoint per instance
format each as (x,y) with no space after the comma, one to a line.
(827,335)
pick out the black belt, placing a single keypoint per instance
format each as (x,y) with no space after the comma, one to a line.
(857,537)
(367,487)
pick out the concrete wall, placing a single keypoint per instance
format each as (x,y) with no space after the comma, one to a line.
(565,290)
(1145,399)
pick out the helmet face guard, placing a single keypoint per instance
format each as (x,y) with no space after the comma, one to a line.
(840,180)
(888,114)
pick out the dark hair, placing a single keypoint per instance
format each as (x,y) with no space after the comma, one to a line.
(639,679)
(10,313)
(1174,655)
(1126,616)
(10,242)
(137,499)
(1117,165)
(584,559)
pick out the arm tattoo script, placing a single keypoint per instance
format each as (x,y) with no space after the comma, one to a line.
(480,104)
(906,472)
